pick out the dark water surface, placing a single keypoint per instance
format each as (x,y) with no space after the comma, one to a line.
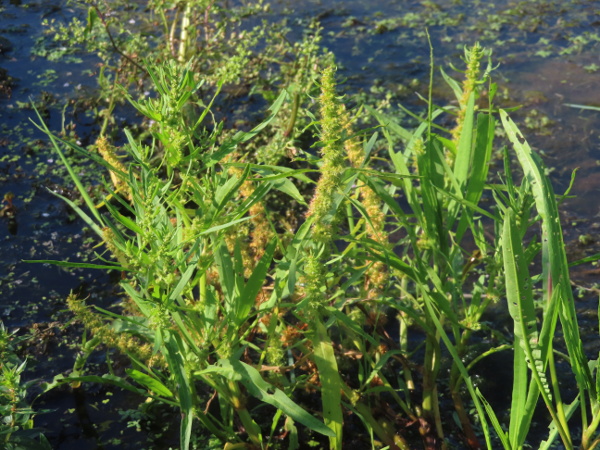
(548,55)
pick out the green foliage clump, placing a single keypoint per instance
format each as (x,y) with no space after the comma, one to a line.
(225,309)
(16,427)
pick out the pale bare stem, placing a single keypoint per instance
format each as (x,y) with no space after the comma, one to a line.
(183,37)
(172,44)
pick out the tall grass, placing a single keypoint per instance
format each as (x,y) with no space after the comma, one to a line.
(258,332)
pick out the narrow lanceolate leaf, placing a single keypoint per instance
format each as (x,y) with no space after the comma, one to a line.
(183,283)
(173,353)
(227,190)
(554,259)
(287,187)
(266,392)
(331,384)
(458,91)
(255,283)
(519,419)
(520,302)
(104,379)
(77,265)
(431,168)
(494,420)
(226,273)
(522,310)
(464,152)
(149,383)
(243,136)
(223,226)
(87,219)
(72,173)
(479,170)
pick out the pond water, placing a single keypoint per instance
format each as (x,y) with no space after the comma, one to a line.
(547,53)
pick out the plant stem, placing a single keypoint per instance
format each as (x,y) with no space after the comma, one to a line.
(455,382)
(295,106)
(239,403)
(112,41)
(430,407)
(590,432)
(183,37)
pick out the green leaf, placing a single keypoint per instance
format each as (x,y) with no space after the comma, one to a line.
(554,259)
(390,123)
(458,91)
(331,384)
(226,273)
(87,219)
(588,107)
(287,187)
(431,167)
(269,172)
(104,379)
(149,382)
(72,173)
(91,20)
(495,423)
(227,190)
(255,283)
(527,352)
(76,264)
(268,393)
(243,136)
(520,300)
(223,226)
(126,221)
(173,354)
(465,149)
(183,282)
(478,174)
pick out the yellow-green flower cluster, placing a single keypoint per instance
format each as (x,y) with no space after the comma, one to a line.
(377,274)
(109,238)
(314,282)
(274,352)
(352,146)
(332,169)
(473,59)
(261,232)
(124,342)
(109,155)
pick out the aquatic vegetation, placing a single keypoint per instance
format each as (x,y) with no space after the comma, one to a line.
(372,311)
(242,340)
(231,49)
(16,426)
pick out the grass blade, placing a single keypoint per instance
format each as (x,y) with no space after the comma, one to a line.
(266,392)
(527,352)
(254,284)
(554,258)
(72,173)
(331,384)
